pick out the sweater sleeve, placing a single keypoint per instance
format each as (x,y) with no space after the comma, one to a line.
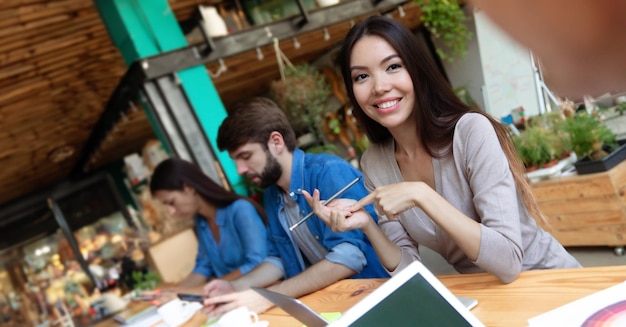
(375,163)
(478,151)
(396,233)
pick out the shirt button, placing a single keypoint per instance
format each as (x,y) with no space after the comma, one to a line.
(299,190)
(291,194)
(317,237)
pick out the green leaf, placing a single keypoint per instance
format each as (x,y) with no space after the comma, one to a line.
(445,19)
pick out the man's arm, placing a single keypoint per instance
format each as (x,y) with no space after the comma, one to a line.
(263,275)
(318,276)
(222,296)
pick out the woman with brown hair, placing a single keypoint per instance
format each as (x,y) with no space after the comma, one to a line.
(440,174)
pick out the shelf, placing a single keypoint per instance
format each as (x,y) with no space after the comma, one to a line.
(261,36)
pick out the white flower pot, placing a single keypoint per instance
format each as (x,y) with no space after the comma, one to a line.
(213,22)
(326,3)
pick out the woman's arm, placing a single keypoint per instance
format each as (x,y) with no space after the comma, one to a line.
(392,200)
(232,275)
(253,235)
(192,280)
(493,238)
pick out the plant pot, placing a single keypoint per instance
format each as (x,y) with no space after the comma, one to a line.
(531,168)
(214,25)
(550,164)
(326,3)
(588,166)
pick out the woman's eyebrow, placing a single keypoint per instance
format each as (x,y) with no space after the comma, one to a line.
(389,57)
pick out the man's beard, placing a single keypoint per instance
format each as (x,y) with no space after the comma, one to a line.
(271,173)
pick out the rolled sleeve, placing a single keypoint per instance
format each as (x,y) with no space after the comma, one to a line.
(349,255)
(276,261)
(203,264)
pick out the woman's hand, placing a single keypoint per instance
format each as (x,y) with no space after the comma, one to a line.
(392,200)
(337,214)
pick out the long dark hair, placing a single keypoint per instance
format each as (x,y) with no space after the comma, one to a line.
(173,173)
(437,108)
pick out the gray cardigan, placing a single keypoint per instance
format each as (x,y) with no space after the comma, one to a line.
(476,179)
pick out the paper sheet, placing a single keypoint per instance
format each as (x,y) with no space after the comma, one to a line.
(603,308)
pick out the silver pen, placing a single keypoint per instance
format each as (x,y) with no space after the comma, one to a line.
(340,192)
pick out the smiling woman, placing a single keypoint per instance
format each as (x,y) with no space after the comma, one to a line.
(440,175)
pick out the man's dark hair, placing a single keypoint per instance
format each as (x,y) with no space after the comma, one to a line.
(253,121)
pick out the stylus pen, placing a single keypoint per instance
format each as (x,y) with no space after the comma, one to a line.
(340,192)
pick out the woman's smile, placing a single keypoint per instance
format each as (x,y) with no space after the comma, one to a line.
(385,106)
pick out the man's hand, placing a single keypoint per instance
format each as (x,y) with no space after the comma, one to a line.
(337,214)
(218,287)
(218,305)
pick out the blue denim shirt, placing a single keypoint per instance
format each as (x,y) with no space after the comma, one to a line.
(242,241)
(328,174)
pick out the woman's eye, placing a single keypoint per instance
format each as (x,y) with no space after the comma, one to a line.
(394,67)
(359,77)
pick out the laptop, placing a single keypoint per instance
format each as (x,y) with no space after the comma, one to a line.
(413,297)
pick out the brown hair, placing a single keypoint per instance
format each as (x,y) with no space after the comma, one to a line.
(173,173)
(254,120)
(437,108)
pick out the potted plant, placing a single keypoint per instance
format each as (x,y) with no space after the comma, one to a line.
(594,143)
(589,136)
(302,93)
(535,147)
(445,20)
(557,136)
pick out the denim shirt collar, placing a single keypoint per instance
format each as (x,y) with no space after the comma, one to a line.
(296,184)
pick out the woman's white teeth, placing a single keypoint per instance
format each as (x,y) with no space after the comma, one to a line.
(387,104)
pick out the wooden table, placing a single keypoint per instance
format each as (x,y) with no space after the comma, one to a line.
(510,305)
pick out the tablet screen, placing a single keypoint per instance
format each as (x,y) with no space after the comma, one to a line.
(412,297)
(416,303)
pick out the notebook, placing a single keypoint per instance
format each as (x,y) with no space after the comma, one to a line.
(413,297)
